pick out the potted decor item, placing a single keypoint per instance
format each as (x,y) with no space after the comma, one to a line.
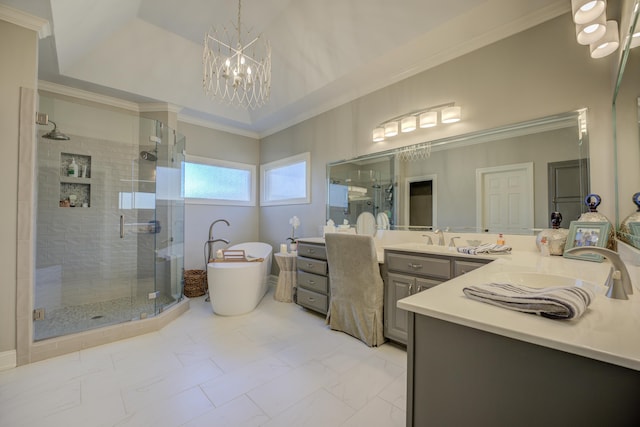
(295,223)
(592,201)
(553,239)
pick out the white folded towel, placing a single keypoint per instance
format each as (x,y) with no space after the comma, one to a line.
(568,302)
(487,248)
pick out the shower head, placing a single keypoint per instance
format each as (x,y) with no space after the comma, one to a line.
(147,155)
(55,134)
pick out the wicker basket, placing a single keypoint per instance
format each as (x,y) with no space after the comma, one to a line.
(195,283)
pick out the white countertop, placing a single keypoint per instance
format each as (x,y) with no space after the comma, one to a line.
(608,331)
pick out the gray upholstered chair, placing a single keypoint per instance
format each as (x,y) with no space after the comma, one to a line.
(357,290)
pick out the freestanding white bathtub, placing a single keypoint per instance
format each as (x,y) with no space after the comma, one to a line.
(237,287)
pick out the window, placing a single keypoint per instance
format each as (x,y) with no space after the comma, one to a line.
(286,181)
(218,182)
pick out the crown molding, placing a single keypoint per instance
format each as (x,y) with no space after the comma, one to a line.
(215,126)
(87,96)
(153,107)
(23,19)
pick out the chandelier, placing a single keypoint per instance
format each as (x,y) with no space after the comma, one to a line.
(414,152)
(234,73)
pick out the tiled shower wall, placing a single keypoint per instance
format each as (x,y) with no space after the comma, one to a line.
(80,257)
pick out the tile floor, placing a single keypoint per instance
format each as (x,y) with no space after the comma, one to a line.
(276,366)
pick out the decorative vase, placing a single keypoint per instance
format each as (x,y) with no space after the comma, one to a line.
(593,201)
(555,237)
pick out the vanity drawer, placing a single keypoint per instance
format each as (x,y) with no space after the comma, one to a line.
(312,251)
(419,265)
(313,282)
(461,267)
(312,265)
(313,300)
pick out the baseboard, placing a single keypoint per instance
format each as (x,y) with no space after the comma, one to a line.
(8,360)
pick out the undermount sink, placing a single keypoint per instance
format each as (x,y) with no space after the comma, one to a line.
(542,280)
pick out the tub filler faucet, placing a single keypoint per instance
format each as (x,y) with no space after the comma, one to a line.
(211,240)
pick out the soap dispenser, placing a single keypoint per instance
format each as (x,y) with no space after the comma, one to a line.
(73,168)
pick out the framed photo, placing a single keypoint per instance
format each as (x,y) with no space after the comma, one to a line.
(634,227)
(585,234)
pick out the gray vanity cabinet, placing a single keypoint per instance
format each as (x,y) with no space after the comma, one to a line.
(400,286)
(312,277)
(409,273)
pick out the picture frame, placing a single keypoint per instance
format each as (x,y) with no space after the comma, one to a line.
(634,227)
(585,234)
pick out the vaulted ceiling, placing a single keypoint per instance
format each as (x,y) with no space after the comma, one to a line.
(324,52)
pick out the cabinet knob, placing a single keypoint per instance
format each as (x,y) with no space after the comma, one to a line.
(311,251)
(415,266)
(312,282)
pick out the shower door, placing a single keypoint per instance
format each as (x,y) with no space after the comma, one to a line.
(110,256)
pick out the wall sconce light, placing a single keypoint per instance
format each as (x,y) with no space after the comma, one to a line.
(425,118)
(593,29)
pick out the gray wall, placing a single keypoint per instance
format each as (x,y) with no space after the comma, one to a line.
(215,144)
(539,72)
(19,71)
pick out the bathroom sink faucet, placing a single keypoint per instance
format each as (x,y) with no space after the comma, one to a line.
(452,242)
(440,234)
(429,240)
(619,281)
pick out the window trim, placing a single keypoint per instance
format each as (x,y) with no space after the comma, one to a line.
(287,161)
(226,164)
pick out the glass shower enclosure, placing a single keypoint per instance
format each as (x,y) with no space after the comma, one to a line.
(110,219)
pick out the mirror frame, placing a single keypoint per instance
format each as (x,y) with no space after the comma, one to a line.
(579,117)
(624,56)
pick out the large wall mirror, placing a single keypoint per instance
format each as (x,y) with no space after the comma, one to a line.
(627,221)
(503,180)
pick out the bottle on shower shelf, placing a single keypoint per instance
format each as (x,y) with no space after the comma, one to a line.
(73,168)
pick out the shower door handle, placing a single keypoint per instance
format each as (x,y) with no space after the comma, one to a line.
(122,226)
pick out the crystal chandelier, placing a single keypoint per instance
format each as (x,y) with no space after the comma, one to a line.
(234,73)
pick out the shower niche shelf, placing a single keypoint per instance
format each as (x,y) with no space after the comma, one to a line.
(83,161)
(75,191)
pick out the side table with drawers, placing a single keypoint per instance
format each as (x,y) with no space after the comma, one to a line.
(313,288)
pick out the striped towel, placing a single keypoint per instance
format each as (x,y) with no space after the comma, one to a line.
(487,248)
(568,302)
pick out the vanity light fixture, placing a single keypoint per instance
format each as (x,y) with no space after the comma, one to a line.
(607,44)
(391,129)
(428,119)
(408,124)
(593,29)
(451,114)
(424,118)
(378,134)
(584,11)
